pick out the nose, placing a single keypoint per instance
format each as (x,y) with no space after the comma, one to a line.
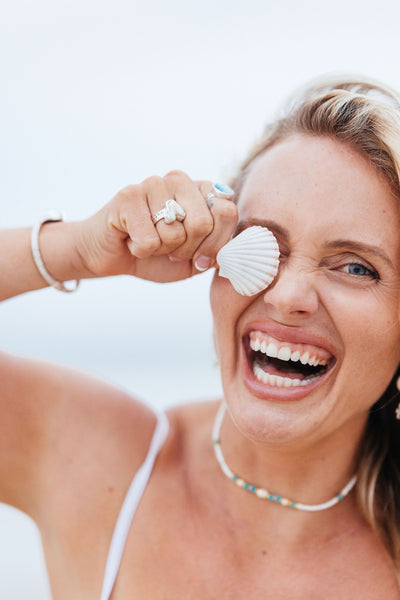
(292,293)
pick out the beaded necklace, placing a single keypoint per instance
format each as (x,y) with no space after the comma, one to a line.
(261,492)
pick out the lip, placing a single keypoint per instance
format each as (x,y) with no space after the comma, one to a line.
(289,335)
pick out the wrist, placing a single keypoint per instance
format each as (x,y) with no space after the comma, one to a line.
(50,217)
(58,243)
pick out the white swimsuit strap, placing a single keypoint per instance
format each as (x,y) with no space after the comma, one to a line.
(130,504)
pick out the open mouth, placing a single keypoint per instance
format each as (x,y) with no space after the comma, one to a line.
(282,364)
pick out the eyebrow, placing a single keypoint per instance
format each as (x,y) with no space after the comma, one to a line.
(271,225)
(340,243)
(360,247)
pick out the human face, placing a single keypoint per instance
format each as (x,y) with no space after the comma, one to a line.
(336,295)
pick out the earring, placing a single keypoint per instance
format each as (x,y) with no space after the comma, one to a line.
(397,411)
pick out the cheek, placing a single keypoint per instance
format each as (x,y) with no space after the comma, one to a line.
(227,307)
(368,324)
(368,312)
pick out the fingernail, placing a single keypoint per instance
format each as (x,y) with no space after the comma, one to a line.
(202,263)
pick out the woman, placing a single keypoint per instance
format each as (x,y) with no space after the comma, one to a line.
(308,369)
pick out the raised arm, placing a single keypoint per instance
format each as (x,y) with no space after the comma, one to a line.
(123,239)
(37,400)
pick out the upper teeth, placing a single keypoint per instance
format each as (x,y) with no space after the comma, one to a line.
(285,353)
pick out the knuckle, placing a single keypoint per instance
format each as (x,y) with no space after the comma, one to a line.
(175,174)
(128,194)
(203,224)
(204,187)
(148,244)
(227,211)
(152,181)
(176,237)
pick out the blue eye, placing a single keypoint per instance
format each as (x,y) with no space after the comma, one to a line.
(359,270)
(356,269)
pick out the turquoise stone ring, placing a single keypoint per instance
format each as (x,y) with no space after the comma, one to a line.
(221,190)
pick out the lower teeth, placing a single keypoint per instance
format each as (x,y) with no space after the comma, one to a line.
(278,381)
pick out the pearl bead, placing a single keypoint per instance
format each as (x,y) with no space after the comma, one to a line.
(261,493)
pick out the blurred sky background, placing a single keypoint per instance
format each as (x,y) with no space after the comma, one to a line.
(96,95)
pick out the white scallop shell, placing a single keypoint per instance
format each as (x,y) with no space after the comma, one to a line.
(250,260)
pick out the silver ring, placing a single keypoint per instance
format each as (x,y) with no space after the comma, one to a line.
(172,211)
(220,190)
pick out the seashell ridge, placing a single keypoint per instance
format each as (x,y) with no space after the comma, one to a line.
(250,260)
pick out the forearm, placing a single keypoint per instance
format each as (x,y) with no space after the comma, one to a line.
(18,272)
(123,239)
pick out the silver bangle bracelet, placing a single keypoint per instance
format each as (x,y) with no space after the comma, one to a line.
(52,216)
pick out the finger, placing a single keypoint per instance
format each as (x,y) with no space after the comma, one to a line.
(172,235)
(134,219)
(217,190)
(225,215)
(198,222)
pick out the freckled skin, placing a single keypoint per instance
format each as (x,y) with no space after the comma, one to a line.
(319,190)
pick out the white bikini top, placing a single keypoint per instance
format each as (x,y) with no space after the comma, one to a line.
(130,505)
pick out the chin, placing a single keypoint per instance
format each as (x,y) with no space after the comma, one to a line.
(278,423)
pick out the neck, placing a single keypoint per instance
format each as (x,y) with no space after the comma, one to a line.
(307,473)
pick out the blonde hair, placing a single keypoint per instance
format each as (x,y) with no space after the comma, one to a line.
(360,112)
(364,114)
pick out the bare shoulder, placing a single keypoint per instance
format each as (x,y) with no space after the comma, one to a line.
(58,424)
(90,479)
